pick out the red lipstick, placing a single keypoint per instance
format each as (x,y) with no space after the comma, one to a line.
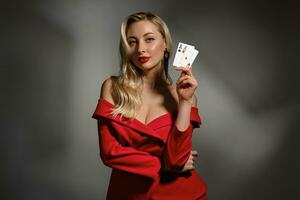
(144,59)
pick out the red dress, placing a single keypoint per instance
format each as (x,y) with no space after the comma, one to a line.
(136,152)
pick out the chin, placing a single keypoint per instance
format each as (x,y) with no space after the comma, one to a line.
(146,66)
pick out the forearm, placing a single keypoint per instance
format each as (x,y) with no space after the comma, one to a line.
(179,143)
(130,160)
(183,116)
(178,147)
(126,158)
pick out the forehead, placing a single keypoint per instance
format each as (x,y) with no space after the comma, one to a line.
(138,29)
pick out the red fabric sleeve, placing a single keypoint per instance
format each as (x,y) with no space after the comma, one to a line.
(179,143)
(128,159)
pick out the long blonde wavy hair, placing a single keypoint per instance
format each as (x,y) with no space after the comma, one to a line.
(127,87)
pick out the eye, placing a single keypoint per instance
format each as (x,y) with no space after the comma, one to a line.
(131,42)
(148,40)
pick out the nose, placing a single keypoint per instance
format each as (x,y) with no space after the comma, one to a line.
(141,48)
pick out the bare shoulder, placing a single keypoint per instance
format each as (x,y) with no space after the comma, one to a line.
(106,90)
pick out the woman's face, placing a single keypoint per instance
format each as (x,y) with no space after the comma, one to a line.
(146,45)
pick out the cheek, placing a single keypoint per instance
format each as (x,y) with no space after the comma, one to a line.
(159,49)
(132,56)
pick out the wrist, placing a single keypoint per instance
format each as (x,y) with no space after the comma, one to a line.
(184,106)
(186,101)
(183,116)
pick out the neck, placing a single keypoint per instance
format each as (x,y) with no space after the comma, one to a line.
(155,82)
(153,77)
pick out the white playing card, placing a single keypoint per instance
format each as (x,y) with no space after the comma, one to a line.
(178,54)
(190,62)
(186,56)
(180,51)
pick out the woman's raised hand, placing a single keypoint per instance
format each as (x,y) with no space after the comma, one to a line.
(186,84)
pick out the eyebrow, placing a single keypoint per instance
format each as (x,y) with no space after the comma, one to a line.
(149,33)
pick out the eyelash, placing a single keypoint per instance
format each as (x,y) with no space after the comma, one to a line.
(148,40)
(131,43)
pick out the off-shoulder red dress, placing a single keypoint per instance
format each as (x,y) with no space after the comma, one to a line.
(138,152)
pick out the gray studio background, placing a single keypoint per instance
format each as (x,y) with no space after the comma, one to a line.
(54,56)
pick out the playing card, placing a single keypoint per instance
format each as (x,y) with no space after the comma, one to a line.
(186,56)
(181,50)
(178,54)
(190,62)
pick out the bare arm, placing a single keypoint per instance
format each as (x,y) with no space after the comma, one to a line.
(186,86)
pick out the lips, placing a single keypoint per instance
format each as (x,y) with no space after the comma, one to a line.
(144,59)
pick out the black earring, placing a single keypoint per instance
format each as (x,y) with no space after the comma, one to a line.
(166,62)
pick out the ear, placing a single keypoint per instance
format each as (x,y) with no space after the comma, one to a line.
(165,44)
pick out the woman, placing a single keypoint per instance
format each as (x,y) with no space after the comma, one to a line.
(145,122)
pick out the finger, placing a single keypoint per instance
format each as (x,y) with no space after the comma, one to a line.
(183,85)
(186,77)
(188,71)
(182,79)
(194,153)
(189,160)
(187,168)
(187,82)
(185,70)
(192,167)
(194,158)
(179,68)
(182,74)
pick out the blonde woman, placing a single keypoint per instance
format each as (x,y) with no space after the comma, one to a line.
(145,122)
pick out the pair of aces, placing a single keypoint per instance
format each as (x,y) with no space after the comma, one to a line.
(185,55)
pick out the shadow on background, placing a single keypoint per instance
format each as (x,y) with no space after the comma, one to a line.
(34,82)
(249,55)
(251,49)
(279,178)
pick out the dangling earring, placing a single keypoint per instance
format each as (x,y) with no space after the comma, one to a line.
(166,62)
